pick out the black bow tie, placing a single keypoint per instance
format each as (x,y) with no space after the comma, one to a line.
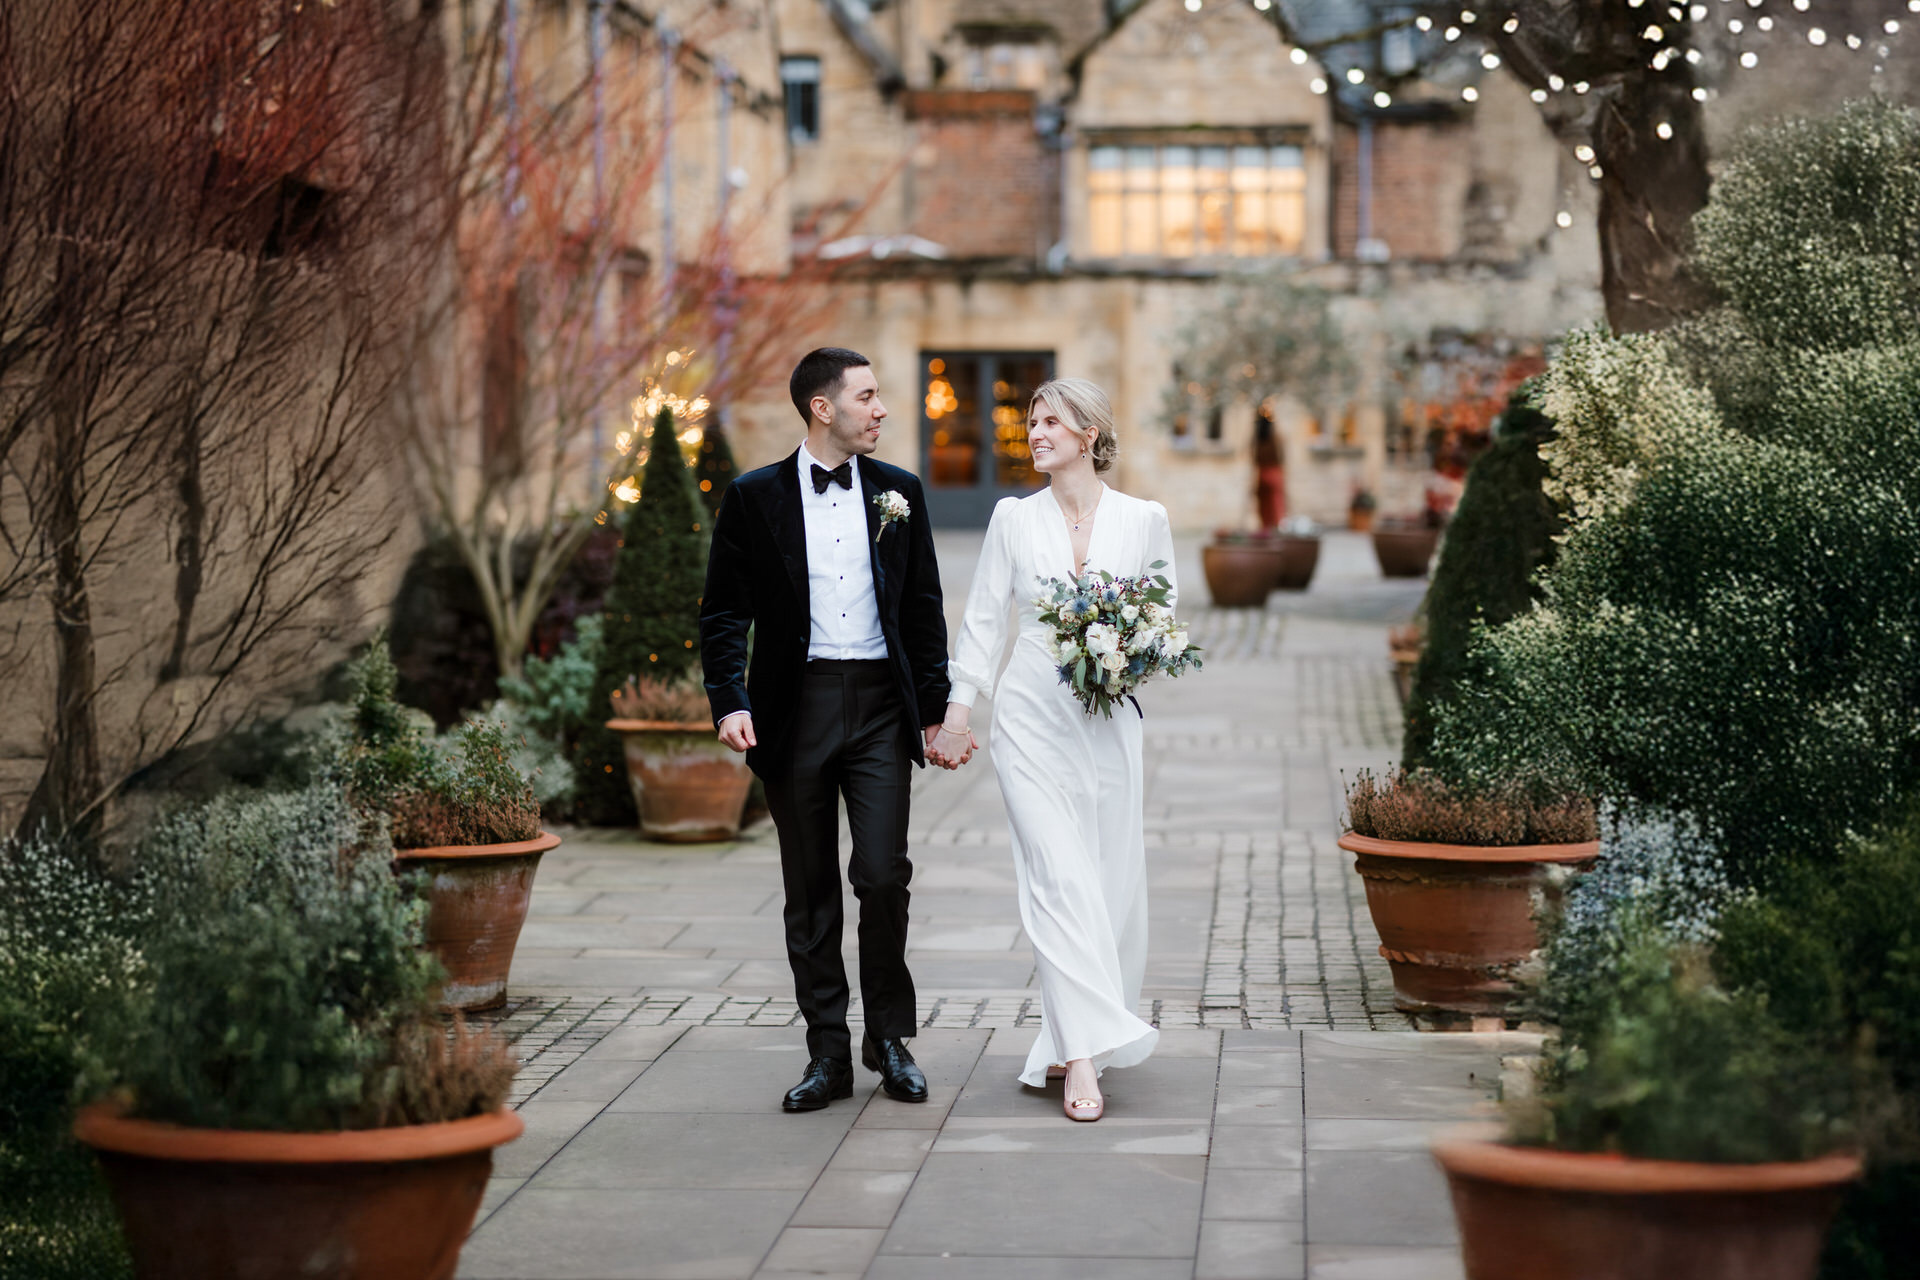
(841,475)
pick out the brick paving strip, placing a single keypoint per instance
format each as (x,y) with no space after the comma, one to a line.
(1279,1131)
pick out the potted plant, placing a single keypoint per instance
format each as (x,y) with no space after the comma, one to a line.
(1405,644)
(687,784)
(1360,510)
(1241,568)
(465,818)
(1299,554)
(1405,548)
(278,1096)
(1452,877)
(652,613)
(1678,1125)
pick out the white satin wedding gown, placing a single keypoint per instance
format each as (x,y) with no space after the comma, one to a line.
(1072,782)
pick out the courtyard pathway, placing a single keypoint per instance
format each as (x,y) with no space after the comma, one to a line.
(1279,1131)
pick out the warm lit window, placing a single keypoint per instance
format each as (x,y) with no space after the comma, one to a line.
(1187,201)
(800,81)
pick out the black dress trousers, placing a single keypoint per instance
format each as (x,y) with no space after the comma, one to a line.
(848,741)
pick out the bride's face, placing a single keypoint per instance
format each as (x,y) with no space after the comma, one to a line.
(1057,442)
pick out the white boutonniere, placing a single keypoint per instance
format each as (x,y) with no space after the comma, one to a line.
(893,507)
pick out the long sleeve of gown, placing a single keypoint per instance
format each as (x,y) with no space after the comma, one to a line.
(983,627)
(1160,547)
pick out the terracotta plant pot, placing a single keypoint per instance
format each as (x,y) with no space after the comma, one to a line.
(688,785)
(1404,646)
(1360,520)
(221,1204)
(1240,574)
(1533,1214)
(477,899)
(1299,556)
(1405,552)
(1455,921)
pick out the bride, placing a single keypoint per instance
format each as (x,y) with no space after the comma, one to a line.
(1072,782)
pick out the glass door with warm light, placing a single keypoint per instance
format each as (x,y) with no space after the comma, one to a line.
(973,430)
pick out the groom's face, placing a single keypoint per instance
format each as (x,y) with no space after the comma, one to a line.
(857,412)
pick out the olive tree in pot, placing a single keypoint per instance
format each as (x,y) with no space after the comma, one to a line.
(1679,1125)
(1452,878)
(277,1095)
(466,819)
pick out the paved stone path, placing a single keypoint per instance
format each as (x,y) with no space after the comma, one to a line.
(1278,1132)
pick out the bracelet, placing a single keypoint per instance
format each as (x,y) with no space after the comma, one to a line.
(947,728)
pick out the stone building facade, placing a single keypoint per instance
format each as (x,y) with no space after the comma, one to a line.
(1014,190)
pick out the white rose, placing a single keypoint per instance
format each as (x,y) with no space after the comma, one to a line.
(1177,642)
(1129,612)
(1102,639)
(1115,662)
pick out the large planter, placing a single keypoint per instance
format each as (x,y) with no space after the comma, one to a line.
(1240,574)
(1456,921)
(1405,552)
(1534,1214)
(687,784)
(1299,556)
(477,899)
(220,1204)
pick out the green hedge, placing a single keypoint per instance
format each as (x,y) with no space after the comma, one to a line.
(1501,535)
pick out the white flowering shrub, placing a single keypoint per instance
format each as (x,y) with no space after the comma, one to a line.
(1732,627)
(1658,878)
(72,953)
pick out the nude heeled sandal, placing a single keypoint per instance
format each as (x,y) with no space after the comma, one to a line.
(1084,1109)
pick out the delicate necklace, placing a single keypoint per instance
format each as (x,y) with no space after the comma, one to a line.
(1077,521)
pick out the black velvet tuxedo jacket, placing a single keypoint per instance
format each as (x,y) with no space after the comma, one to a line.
(757,578)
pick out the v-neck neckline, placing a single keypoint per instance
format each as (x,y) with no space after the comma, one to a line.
(1066,533)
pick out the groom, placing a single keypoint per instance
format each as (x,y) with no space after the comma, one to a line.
(846,686)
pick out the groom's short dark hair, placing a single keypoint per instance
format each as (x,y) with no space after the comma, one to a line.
(820,372)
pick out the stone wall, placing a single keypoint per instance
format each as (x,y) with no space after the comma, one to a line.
(1118,330)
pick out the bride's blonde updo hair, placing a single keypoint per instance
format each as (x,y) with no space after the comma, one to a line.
(1085,405)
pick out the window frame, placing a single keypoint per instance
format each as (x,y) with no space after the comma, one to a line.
(795,99)
(1158,171)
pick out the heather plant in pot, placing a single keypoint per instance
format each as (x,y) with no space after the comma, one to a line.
(465,818)
(1452,877)
(276,1085)
(687,785)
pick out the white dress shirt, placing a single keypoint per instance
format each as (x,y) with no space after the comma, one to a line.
(843,614)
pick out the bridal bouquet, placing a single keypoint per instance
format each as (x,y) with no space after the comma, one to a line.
(1110,634)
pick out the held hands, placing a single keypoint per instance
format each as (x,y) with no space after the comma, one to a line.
(950,748)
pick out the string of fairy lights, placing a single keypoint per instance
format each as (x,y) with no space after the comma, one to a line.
(1670,34)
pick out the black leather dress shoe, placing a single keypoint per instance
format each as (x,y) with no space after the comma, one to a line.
(826,1079)
(900,1079)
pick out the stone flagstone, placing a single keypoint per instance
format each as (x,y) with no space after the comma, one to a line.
(1279,1131)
